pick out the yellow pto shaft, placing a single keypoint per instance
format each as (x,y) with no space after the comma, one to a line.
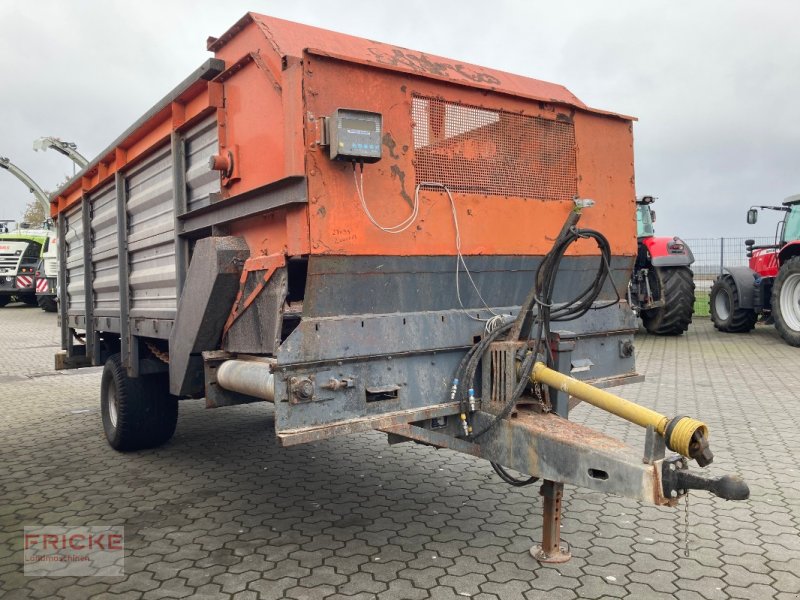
(684,435)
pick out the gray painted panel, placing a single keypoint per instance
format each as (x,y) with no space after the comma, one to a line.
(105,276)
(341,285)
(201,144)
(152,281)
(394,322)
(150,209)
(74,240)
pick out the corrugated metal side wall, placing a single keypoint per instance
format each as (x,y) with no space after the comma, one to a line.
(201,182)
(151,238)
(105,253)
(74,239)
(150,211)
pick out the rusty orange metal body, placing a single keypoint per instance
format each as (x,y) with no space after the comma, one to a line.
(282,77)
(230,245)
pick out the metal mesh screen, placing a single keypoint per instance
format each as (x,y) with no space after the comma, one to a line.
(482,151)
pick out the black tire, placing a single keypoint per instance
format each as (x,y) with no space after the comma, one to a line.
(786,301)
(137,412)
(47,303)
(29,299)
(4,300)
(677,287)
(726,314)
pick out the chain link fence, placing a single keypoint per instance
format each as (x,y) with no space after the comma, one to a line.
(711,255)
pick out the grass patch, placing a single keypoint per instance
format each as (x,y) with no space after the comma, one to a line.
(702,308)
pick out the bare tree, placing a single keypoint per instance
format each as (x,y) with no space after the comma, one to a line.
(34,213)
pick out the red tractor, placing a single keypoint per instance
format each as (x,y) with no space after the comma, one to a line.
(770,287)
(661,289)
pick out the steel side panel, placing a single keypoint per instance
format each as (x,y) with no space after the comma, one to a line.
(105,252)
(151,245)
(74,260)
(201,182)
(489,224)
(415,354)
(347,285)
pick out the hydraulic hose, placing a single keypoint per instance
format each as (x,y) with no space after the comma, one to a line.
(541,297)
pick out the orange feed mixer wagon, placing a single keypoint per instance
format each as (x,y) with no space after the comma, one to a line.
(370,238)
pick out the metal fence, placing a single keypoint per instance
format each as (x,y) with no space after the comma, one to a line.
(711,255)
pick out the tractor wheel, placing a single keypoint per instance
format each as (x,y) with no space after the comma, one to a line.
(786,301)
(137,412)
(47,303)
(677,290)
(726,313)
(29,299)
(4,300)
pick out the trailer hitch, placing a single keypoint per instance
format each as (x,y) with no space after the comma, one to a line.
(677,480)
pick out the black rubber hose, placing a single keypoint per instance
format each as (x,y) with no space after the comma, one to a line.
(510,479)
(542,296)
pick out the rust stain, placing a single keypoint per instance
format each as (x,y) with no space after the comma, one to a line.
(401,175)
(390,144)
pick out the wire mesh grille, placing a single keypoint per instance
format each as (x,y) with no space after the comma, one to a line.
(482,151)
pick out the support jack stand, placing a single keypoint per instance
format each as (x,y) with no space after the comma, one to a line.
(551,550)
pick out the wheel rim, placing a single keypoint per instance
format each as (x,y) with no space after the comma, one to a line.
(111,401)
(790,301)
(722,305)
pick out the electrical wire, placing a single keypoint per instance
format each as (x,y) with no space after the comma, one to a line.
(394,229)
(460,262)
(408,221)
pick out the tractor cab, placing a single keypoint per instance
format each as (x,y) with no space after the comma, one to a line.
(766,259)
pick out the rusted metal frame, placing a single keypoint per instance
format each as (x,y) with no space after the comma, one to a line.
(268,264)
(434,438)
(558,450)
(128,344)
(88,296)
(66,336)
(551,550)
(291,437)
(344,360)
(179,196)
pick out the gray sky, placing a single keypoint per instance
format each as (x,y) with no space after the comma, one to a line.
(715,83)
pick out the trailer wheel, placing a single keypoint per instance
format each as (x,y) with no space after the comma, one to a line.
(47,303)
(137,412)
(677,290)
(726,313)
(4,300)
(29,299)
(786,301)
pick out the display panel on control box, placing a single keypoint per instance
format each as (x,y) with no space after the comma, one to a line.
(355,135)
